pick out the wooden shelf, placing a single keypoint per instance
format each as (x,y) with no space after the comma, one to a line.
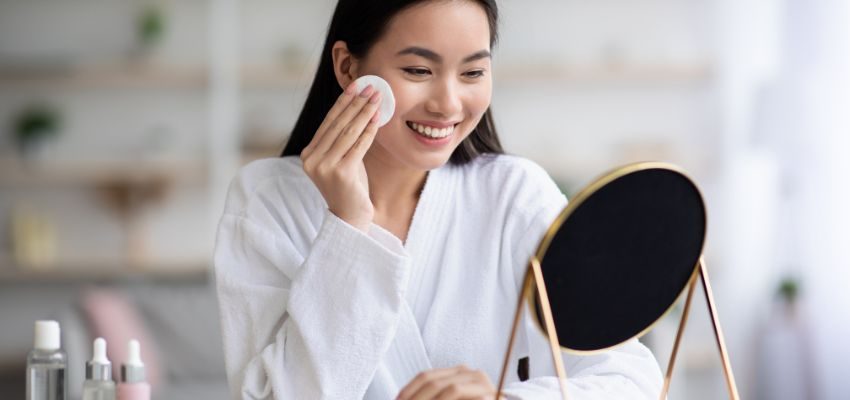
(14,172)
(131,76)
(275,77)
(128,75)
(262,145)
(98,271)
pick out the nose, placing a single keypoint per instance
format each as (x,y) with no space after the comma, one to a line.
(444,99)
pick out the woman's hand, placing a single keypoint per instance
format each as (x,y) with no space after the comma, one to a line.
(334,158)
(459,382)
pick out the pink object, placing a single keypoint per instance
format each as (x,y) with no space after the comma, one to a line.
(133,391)
(115,319)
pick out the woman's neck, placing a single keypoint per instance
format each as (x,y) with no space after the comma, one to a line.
(394,191)
(393,188)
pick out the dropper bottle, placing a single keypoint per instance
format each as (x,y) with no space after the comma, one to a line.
(46,364)
(99,384)
(133,385)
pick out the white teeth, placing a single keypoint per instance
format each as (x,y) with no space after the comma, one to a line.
(432,132)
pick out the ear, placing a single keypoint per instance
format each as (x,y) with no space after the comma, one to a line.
(345,64)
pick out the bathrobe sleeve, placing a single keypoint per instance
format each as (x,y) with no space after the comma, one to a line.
(628,371)
(304,325)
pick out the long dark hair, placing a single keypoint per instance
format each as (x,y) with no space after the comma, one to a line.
(360,24)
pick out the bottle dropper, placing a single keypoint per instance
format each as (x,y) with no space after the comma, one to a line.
(133,385)
(99,384)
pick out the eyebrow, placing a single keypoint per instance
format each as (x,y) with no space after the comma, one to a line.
(425,53)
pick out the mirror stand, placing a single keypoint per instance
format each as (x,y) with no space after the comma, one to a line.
(718,333)
(535,275)
(534,272)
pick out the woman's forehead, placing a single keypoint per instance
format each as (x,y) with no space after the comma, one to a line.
(448,28)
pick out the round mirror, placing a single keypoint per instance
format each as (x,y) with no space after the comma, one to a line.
(620,255)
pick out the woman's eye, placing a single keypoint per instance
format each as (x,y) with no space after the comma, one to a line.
(416,71)
(475,74)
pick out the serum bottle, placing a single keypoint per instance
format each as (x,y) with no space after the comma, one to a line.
(133,385)
(46,364)
(99,384)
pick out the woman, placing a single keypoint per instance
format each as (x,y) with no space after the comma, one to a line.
(385,262)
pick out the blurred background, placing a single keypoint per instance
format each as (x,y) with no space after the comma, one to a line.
(122,122)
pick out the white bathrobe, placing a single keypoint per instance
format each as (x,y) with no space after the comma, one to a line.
(312,308)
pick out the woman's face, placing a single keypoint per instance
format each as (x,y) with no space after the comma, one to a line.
(436,58)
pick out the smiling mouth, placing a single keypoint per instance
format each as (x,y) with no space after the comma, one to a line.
(431,133)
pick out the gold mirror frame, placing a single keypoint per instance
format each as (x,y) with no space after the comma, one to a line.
(533,293)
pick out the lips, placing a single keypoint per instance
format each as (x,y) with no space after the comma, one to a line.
(431,131)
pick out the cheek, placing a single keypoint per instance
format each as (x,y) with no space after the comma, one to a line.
(476,105)
(481,98)
(407,97)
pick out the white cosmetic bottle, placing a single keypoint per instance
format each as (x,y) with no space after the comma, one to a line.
(99,384)
(46,364)
(133,385)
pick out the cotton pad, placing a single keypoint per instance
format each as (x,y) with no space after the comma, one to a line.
(387,106)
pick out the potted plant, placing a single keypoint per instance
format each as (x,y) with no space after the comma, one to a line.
(788,290)
(150,26)
(34,128)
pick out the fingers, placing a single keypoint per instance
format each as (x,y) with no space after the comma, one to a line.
(466,388)
(364,142)
(354,130)
(449,384)
(428,379)
(341,123)
(449,387)
(473,385)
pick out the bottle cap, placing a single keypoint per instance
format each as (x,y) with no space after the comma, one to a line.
(46,335)
(133,370)
(387,106)
(99,368)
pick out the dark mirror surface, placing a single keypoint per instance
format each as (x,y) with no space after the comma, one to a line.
(622,256)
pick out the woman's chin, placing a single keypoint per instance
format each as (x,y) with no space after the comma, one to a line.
(416,160)
(427,162)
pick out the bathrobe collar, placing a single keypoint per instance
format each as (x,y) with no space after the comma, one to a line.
(407,355)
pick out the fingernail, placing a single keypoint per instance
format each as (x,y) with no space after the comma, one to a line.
(375,98)
(376,116)
(350,89)
(366,92)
